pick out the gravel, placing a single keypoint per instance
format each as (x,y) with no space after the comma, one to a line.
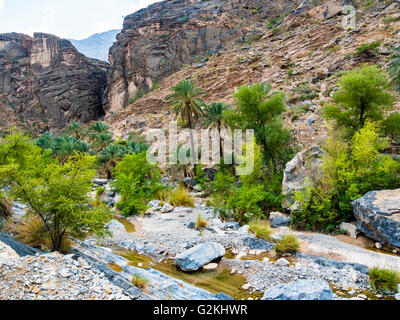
(54,277)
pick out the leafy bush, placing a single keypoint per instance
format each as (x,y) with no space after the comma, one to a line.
(364,94)
(137,181)
(368,49)
(391,126)
(383,280)
(288,245)
(350,169)
(181,198)
(260,228)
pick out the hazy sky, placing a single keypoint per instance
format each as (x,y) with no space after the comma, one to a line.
(76,19)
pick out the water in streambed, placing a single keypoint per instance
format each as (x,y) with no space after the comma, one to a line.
(129,226)
(220,280)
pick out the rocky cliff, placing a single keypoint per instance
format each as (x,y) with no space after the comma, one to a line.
(303,54)
(157,41)
(46,83)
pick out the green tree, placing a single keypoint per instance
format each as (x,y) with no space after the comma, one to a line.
(364,94)
(110,156)
(259,109)
(76,130)
(55,192)
(214,118)
(185,101)
(137,181)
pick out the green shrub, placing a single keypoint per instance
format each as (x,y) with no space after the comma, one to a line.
(180,197)
(139,282)
(349,171)
(288,245)
(391,126)
(201,223)
(383,280)
(368,49)
(137,181)
(260,228)
(139,93)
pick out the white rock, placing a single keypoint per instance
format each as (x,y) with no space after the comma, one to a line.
(351,229)
(266,260)
(378,246)
(246,287)
(282,262)
(233,271)
(244,229)
(211,266)
(241,255)
(397,296)
(167,208)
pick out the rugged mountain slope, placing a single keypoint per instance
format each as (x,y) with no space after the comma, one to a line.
(96,46)
(303,56)
(46,83)
(157,41)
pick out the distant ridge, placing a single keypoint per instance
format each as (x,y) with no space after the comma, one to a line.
(97,45)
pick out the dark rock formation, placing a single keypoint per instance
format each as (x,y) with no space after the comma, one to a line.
(46,82)
(157,41)
(378,216)
(20,248)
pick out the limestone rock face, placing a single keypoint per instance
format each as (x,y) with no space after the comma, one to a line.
(47,83)
(157,41)
(302,169)
(300,290)
(378,216)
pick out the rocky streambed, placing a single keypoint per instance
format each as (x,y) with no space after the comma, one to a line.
(249,267)
(148,247)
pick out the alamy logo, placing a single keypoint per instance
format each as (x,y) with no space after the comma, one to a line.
(208,147)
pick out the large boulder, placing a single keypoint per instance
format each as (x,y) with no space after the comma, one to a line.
(378,216)
(199,256)
(304,168)
(300,290)
(278,219)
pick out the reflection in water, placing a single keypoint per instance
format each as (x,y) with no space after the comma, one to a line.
(217,281)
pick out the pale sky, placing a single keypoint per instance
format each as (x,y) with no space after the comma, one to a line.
(75,19)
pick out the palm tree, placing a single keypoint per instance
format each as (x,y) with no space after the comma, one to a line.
(75,130)
(66,146)
(97,129)
(214,118)
(110,156)
(102,140)
(185,102)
